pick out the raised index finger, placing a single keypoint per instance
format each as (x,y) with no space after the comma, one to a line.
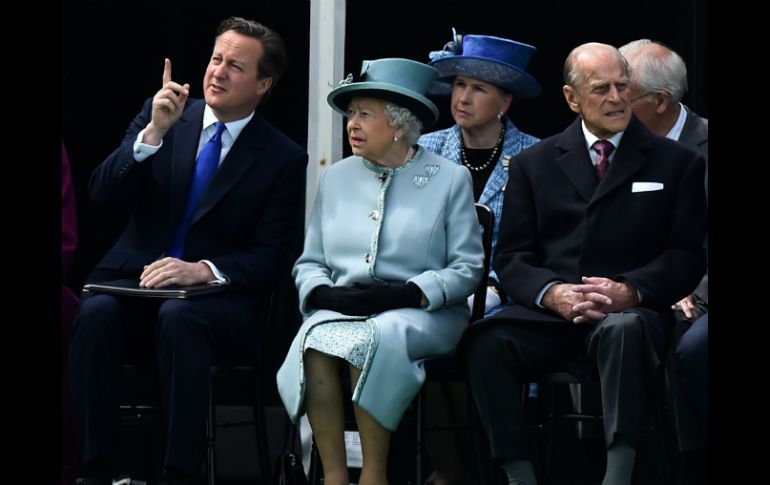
(166,71)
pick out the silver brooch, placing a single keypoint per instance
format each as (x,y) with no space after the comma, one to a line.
(420,181)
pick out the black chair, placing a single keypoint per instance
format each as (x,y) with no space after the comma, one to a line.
(236,384)
(444,370)
(232,383)
(656,422)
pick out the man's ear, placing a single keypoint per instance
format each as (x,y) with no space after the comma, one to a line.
(662,102)
(571,97)
(264,85)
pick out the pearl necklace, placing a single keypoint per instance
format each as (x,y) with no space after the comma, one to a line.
(492,157)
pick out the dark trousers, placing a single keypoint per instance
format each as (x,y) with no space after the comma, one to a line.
(691,386)
(184,336)
(624,348)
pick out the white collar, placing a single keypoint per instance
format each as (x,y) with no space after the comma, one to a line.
(234,128)
(676,130)
(591,138)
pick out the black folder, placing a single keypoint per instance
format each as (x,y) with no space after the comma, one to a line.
(130,287)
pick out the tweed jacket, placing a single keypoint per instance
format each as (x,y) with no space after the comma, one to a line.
(447,144)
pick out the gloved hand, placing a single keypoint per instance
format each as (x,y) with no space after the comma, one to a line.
(382,297)
(363,299)
(343,299)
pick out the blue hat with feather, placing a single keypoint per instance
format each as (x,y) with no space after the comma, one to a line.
(496,60)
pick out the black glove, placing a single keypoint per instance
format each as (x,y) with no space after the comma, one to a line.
(384,297)
(362,299)
(343,299)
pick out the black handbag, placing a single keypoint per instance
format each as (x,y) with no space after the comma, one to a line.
(288,467)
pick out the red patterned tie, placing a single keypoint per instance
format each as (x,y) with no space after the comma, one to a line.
(603,148)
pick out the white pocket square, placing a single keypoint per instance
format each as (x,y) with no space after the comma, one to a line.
(646,186)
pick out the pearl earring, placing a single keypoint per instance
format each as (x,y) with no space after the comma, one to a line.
(395,138)
(500,115)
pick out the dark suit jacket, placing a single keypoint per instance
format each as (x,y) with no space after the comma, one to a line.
(695,134)
(559,224)
(248,222)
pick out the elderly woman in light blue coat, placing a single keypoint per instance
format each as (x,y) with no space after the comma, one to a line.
(391,254)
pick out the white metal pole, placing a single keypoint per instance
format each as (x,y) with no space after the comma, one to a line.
(326,63)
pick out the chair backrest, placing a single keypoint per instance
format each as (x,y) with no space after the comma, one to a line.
(487,224)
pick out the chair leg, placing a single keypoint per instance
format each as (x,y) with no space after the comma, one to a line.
(211,425)
(151,444)
(260,428)
(660,430)
(419,433)
(550,439)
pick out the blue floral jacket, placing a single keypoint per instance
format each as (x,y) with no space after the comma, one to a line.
(447,144)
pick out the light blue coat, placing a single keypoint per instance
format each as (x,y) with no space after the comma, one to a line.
(447,144)
(415,223)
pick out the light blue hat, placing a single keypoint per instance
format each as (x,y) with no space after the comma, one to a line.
(496,60)
(401,81)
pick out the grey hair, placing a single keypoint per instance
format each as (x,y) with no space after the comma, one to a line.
(655,72)
(571,73)
(403,119)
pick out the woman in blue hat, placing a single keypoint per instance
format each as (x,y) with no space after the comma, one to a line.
(391,254)
(483,74)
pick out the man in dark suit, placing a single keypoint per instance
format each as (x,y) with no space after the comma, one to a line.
(594,257)
(658,82)
(241,230)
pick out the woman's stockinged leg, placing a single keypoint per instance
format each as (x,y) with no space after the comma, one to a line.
(375,442)
(326,414)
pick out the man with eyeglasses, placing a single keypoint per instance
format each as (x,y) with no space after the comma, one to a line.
(658,82)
